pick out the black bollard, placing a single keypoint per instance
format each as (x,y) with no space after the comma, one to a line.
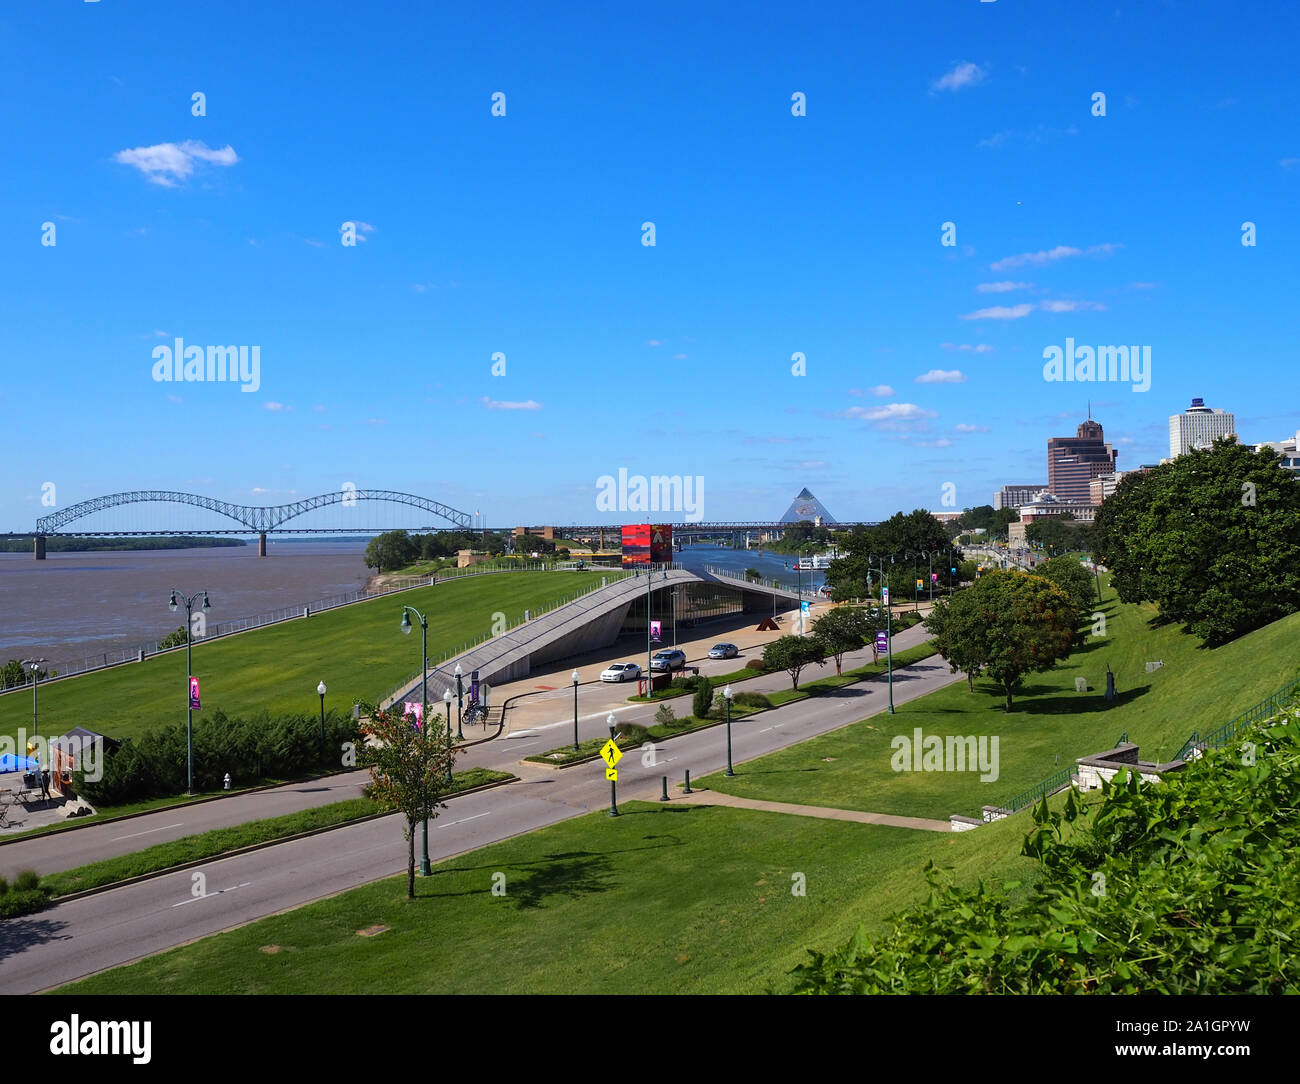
(688,782)
(665,794)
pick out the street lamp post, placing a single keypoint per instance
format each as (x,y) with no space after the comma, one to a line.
(575,677)
(460,703)
(446,699)
(321,690)
(612,721)
(425,868)
(889,627)
(34,665)
(189,671)
(726,697)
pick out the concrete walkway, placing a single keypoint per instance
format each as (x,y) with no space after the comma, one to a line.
(713,797)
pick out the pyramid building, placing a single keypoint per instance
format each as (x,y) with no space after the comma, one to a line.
(806,506)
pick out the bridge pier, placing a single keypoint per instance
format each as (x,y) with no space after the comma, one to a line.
(38,547)
(261,543)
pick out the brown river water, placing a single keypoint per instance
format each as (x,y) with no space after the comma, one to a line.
(73,605)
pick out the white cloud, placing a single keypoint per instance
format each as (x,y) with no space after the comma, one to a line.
(498,404)
(1060,252)
(1000,312)
(1144,285)
(1289,163)
(167,163)
(679,357)
(812,464)
(890,412)
(273,405)
(1040,134)
(880,391)
(361,228)
(654,342)
(1001,287)
(1071,306)
(942,376)
(941,442)
(977,348)
(175,399)
(964,427)
(965,74)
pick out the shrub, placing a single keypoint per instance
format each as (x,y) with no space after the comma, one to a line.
(703,698)
(755,662)
(752,700)
(27,881)
(665,716)
(634,732)
(689,682)
(4,886)
(14,904)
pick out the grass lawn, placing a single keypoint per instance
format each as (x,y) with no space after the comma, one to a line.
(222,840)
(1196,689)
(664,899)
(358,650)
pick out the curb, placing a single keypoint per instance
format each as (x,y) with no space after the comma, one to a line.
(81,894)
(88,821)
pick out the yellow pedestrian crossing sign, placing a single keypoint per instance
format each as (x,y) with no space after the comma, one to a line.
(611,754)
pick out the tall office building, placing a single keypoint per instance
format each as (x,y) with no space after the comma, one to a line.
(1197,427)
(1013,496)
(1073,462)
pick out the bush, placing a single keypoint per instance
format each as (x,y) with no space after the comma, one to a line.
(665,716)
(752,700)
(4,886)
(755,662)
(27,881)
(154,765)
(703,698)
(634,732)
(688,682)
(26,895)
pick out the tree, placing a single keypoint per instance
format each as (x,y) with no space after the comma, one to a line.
(792,654)
(703,699)
(1212,538)
(917,543)
(843,629)
(409,769)
(173,639)
(957,638)
(390,550)
(753,575)
(1072,578)
(1007,625)
(1059,535)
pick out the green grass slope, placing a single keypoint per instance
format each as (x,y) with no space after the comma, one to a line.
(1196,689)
(664,899)
(359,651)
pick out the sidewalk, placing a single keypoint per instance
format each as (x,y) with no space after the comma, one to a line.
(713,797)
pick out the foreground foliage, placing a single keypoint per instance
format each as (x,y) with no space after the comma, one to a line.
(1186,887)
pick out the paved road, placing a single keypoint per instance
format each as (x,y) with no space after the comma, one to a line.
(545,721)
(77,938)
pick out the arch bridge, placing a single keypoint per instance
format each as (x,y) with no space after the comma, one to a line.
(252,519)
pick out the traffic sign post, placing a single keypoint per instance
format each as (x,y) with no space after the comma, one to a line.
(611,754)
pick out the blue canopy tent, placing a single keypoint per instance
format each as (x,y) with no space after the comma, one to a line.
(11,763)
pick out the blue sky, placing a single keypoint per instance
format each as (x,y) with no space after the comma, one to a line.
(521,234)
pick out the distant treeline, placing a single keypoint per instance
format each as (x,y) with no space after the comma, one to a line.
(23,544)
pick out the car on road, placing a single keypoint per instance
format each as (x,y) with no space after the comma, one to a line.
(621,671)
(669,659)
(723,651)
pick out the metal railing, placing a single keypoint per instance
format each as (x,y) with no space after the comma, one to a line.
(215,630)
(762,581)
(1218,738)
(1057,781)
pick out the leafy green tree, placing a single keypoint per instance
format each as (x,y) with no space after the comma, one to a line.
(917,543)
(1007,625)
(390,550)
(173,639)
(1059,535)
(793,653)
(958,637)
(1075,580)
(409,770)
(703,699)
(1212,538)
(843,629)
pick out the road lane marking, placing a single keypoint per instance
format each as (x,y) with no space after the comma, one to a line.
(464,819)
(209,895)
(133,835)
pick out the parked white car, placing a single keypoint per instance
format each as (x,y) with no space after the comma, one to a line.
(621,671)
